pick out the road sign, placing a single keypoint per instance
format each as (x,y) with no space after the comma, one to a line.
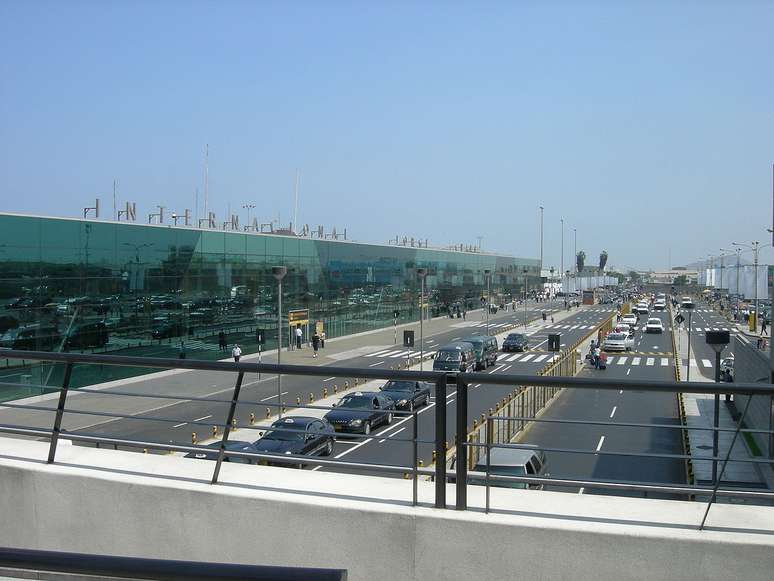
(298,317)
(721,338)
(260,336)
(408,338)
(395,314)
(679,319)
(554,342)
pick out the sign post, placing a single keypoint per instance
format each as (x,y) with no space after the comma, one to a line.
(408,342)
(718,341)
(260,338)
(395,315)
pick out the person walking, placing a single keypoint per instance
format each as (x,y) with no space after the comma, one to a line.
(597,352)
(322,340)
(236,352)
(299,337)
(764,322)
(222,341)
(315,343)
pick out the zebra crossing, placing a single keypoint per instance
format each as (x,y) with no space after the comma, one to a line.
(705,329)
(570,327)
(635,361)
(398,353)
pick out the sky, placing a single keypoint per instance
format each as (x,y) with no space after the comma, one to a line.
(647,126)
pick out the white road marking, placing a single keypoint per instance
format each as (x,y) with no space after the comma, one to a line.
(628,371)
(650,361)
(379,353)
(202,418)
(272,396)
(636,360)
(527,358)
(613,412)
(377,363)
(601,441)
(329,379)
(706,362)
(391,435)
(511,358)
(507,367)
(622,360)
(664,361)
(539,358)
(180,425)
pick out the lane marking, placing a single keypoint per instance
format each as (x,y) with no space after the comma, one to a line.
(527,358)
(636,360)
(664,361)
(650,361)
(273,396)
(379,353)
(622,360)
(628,371)
(180,425)
(706,362)
(391,435)
(613,412)
(601,441)
(329,379)
(377,363)
(202,418)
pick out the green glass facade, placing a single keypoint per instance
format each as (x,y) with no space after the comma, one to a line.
(126,288)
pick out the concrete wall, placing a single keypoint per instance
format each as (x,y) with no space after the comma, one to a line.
(751,366)
(99,501)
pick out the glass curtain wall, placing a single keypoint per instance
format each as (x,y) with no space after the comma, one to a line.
(130,289)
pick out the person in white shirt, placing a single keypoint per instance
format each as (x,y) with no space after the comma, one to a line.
(236,353)
(299,337)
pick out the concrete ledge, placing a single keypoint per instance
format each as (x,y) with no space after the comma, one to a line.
(99,501)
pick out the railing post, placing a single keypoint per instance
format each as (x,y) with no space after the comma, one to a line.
(489,423)
(227,427)
(415,456)
(59,412)
(440,441)
(460,440)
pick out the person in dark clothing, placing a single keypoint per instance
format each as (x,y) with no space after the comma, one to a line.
(222,341)
(315,343)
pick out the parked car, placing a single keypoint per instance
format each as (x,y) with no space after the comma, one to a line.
(459,356)
(515,342)
(87,335)
(654,325)
(210,452)
(35,337)
(361,411)
(485,349)
(617,342)
(407,395)
(298,435)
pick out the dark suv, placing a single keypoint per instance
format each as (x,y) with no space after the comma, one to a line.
(516,342)
(31,338)
(485,348)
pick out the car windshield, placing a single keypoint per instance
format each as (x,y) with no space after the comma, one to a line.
(616,336)
(448,356)
(289,433)
(398,386)
(10,334)
(358,402)
(654,321)
(515,337)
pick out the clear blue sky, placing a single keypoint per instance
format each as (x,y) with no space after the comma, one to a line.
(648,126)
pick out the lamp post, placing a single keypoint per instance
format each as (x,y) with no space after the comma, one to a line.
(541,240)
(279,273)
(567,289)
(562,253)
(487,272)
(575,250)
(248,207)
(525,297)
(421,273)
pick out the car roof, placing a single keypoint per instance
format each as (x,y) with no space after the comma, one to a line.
(509,457)
(362,394)
(295,421)
(457,346)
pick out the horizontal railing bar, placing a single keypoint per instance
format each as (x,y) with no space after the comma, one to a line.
(346,372)
(626,424)
(606,453)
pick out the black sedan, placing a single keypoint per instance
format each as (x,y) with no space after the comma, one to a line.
(361,411)
(516,342)
(210,452)
(407,394)
(299,435)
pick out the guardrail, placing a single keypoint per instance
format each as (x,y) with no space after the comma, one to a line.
(24,562)
(441,381)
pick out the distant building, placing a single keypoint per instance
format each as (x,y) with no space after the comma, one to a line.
(668,276)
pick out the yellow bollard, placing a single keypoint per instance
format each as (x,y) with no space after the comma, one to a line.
(356,381)
(325,392)
(346,385)
(335,388)
(268,413)
(193,437)
(145,450)
(252,418)
(311,397)
(491,412)
(405,476)
(433,455)
(234,424)
(298,400)
(475,425)
(421,464)
(483,418)
(284,410)
(214,431)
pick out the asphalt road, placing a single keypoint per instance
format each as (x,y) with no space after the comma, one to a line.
(617,406)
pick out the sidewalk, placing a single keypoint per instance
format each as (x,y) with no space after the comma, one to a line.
(699,415)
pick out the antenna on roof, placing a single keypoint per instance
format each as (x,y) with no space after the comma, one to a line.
(95,208)
(295,204)
(206,175)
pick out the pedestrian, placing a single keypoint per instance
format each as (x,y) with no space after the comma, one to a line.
(236,352)
(597,352)
(315,343)
(299,337)
(322,339)
(764,322)
(552,318)
(544,315)
(222,341)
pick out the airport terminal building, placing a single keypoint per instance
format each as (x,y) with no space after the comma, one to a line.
(140,289)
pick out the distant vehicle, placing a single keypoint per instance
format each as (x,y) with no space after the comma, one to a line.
(32,338)
(361,412)
(203,316)
(211,451)
(166,329)
(654,325)
(510,462)
(239,291)
(300,435)
(458,356)
(686,303)
(617,342)
(624,328)
(407,395)
(87,335)
(659,305)
(165,302)
(642,309)
(630,319)
(485,349)
(515,342)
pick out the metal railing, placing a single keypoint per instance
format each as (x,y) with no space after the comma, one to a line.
(441,381)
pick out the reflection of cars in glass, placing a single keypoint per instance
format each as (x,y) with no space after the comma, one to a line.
(361,411)
(32,338)
(203,315)
(516,342)
(617,342)
(86,336)
(654,325)
(304,436)
(407,394)
(166,329)
(210,452)
(7,322)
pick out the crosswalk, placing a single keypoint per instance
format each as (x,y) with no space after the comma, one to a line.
(634,361)
(398,353)
(571,327)
(705,329)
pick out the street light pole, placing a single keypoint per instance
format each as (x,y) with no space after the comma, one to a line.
(248,207)
(487,272)
(575,250)
(421,273)
(279,273)
(525,298)
(541,240)
(562,261)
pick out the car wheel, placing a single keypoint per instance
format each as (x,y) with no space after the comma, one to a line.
(328,448)
(389,417)
(367,428)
